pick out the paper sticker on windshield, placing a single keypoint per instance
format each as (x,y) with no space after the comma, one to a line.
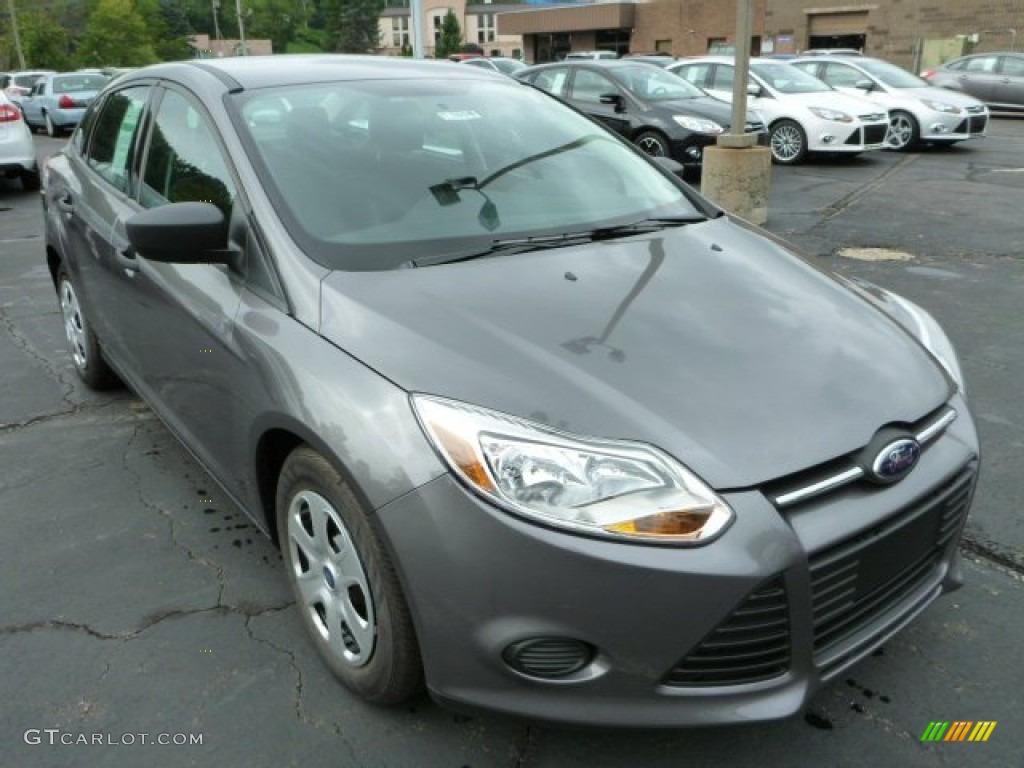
(462,114)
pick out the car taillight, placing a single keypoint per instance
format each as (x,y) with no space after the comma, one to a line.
(927,74)
(9,114)
(66,102)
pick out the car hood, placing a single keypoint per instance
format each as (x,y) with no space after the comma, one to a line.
(939,94)
(853,105)
(703,106)
(709,341)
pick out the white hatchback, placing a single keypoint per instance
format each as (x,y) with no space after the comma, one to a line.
(918,112)
(17,151)
(803,114)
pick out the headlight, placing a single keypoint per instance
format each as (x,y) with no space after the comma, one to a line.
(698,124)
(831,114)
(941,106)
(930,334)
(610,488)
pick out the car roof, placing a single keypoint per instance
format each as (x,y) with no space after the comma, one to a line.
(245,72)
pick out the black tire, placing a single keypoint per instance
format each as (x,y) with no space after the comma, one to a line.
(30,180)
(85,350)
(787,142)
(904,133)
(653,143)
(380,661)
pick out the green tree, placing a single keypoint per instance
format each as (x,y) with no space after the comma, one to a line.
(450,40)
(46,44)
(352,25)
(116,35)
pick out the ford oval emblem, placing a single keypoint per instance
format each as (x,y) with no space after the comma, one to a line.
(895,460)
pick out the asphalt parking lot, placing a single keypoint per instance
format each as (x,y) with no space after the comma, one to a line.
(137,600)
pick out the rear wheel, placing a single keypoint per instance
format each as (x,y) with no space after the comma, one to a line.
(903,133)
(82,343)
(788,143)
(653,143)
(51,130)
(347,591)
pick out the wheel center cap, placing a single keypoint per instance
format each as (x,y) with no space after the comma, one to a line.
(329,577)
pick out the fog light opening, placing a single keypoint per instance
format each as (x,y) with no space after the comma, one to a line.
(548,658)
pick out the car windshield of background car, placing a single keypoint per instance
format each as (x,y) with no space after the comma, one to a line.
(371,174)
(654,84)
(891,75)
(786,78)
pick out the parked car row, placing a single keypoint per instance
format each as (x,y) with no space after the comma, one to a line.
(54,101)
(830,104)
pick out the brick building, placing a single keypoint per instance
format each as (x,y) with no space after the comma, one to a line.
(478,22)
(912,33)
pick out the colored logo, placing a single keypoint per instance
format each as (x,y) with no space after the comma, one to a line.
(896,460)
(959,730)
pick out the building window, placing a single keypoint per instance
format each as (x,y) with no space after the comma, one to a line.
(399,31)
(438,23)
(663,45)
(485,28)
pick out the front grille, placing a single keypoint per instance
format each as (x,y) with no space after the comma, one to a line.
(977,124)
(751,645)
(855,582)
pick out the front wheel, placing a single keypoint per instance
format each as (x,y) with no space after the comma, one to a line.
(347,591)
(788,143)
(903,131)
(652,143)
(85,351)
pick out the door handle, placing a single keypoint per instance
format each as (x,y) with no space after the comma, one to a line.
(126,259)
(65,203)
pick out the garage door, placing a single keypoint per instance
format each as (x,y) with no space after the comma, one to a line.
(836,24)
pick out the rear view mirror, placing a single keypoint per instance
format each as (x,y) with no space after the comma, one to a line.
(181,233)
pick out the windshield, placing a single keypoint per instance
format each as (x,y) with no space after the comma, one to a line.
(78,83)
(890,74)
(651,83)
(785,78)
(370,174)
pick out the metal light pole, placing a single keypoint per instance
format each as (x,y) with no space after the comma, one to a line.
(241,29)
(416,19)
(17,34)
(744,10)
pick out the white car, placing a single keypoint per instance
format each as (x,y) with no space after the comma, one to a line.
(918,112)
(17,152)
(803,114)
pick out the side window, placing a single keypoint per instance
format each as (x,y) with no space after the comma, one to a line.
(724,78)
(552,80)
(184,163)
(842,76)
(983,64)
(589,86)
(1012,66)
(696,74)
(115,135)
(80,138)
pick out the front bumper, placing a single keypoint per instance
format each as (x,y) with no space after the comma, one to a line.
(939,126)
(829,136)
(682,636)
(690,151)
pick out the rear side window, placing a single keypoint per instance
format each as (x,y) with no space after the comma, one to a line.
(552,80)
(1013,66)
(696,74)
(982,64)
(591,86)
(80,138)
(115,136)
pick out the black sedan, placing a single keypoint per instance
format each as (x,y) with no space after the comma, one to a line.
(658,111)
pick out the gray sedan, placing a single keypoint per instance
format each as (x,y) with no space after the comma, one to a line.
(57,102)
(995,78)
(536,426)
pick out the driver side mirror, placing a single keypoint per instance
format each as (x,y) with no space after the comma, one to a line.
(181,233)
(864,85)
(753,89)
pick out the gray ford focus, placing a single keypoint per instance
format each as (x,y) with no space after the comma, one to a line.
(536,427)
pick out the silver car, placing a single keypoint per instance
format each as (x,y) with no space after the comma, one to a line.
(17,151)
(57,102)
(918,111)
(995,78)
(535,425)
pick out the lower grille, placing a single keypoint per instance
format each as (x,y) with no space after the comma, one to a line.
(751,645)
(977,124)
(875,134)
(856,581)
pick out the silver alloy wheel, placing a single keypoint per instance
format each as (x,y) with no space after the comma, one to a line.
(787,143)
(51,129)
(652,145)
(901,131)
(330,578)
(74,325)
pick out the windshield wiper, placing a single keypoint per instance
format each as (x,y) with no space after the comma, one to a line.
(541,242)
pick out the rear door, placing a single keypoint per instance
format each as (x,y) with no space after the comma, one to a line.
(979,76)
(1009,90)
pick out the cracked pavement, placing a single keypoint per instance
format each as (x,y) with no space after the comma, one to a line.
(137,599)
